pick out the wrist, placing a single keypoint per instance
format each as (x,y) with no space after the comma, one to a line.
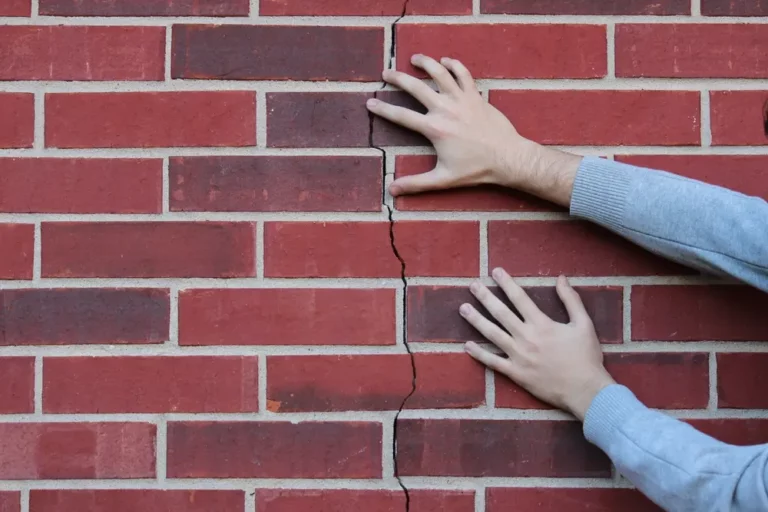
(578,404)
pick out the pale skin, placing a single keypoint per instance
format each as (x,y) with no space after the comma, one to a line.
(476,144)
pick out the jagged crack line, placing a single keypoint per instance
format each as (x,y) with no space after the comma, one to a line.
(403,278)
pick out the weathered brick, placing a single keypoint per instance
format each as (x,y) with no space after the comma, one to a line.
(263,52)
(509,50)
(497,448)
(698,313)
(739,118)
(22,8)
(83,316)
(680,381)
(274,450)
(742,431)
(593,7)
(498,499)
(364,249)
(16,250)
(17,386)
(150,119)
(549,248)
(10,501)
(49,451)
(363,7)
(742,173)
(130,500)
(354,500)
(148,249)
(144,8)
(317,119)
(275,183)
(17,110)
(287,317)
(386,133)
(481,198)
(58,52)
(150,384)
(81,185)
(739,381)
(599,118)
(373,382)
(692,50)
(433,311)
(734,7)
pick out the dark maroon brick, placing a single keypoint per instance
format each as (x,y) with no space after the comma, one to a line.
(263,52)
(17,386)
(276,183)
(144,8)
(10,501)
(386,133)
(570,500)
(741,431)
(83,316)
(497,448)
(740,381)
(135,500)
(734,7)
(433,311)
(594,7)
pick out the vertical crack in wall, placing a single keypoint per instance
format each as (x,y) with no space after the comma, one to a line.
(393,244)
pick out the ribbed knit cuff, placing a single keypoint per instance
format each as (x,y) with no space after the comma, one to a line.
(600,191)
(610,409)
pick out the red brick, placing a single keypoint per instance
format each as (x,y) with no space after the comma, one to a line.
(363,8)
(680,381)
(692,50)
(273,449)
(354,500)
(148,249)
(734,7)
(600,118)
(363,249)
(17,386)
(433,311)
(742,173)
(58,52)
(509,50)
(740,379)
(497,448)
(276,183)
(484,198)
(498,499)
(573,248)
(10,501)
(317,119)
(16,8)
(593,7)
(16,249)
(48,451)
(263,52)
(150,119)
(132,500)
(386,133)
(81,185)
(17,110)
(742,432)
(287,317)
(373,382)
(698,313)
(144,8)
(739,118)
(149,384)
(83,316)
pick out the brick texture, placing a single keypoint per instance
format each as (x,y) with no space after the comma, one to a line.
(209,300)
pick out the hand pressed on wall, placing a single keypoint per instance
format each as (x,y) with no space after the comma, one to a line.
(561,364)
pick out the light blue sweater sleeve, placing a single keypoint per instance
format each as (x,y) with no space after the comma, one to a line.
(712,229)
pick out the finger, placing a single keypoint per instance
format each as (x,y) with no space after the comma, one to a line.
(496,308)
(432,180)
(490,330)
(489,359)
(572,301)
(413,86)
(522,302)
(462,74)
(442,77)
(399,115)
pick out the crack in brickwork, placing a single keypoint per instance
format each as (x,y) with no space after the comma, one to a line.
(393,244)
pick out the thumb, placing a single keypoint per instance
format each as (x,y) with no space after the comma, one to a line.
(435,179)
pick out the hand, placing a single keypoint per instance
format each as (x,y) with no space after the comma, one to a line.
(475,143)
(561,364)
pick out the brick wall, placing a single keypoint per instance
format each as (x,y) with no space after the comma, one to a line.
(208,301)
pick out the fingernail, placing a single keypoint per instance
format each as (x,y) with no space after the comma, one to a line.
(474,287)
(498,273)
(395,190)
(372,102)
(415,56)
(445,59)
(468,346)
(464,310)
